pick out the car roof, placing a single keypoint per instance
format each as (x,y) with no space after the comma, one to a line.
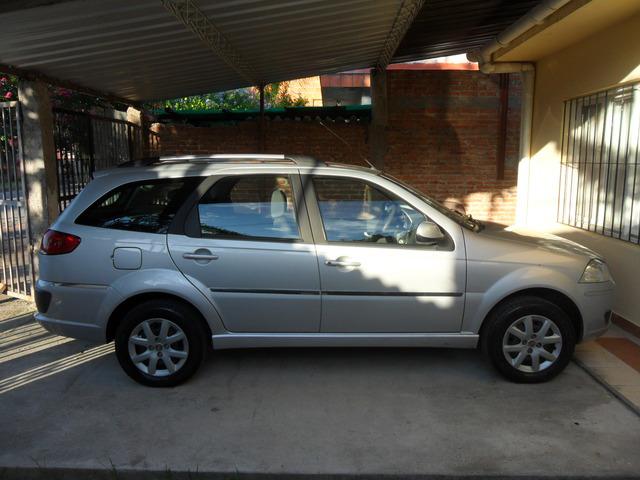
(200,165)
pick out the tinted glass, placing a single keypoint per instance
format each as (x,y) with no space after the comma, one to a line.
(250,207)
(355,211)
(147,206)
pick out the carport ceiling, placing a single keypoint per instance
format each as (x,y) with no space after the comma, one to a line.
(139,50)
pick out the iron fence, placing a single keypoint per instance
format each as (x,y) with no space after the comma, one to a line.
(86,143)
(599,180)
(15,244)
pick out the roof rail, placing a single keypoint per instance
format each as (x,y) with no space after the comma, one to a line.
(299,160)
(221,156)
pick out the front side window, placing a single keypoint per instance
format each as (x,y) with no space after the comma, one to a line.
(356,211)
(146,206)
(250,207)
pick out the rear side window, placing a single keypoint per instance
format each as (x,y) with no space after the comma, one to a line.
(252,207)
(147,206)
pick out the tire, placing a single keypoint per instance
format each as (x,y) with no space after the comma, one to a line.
(525,317)
(168,360)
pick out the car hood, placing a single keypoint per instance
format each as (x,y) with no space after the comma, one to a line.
(523,245)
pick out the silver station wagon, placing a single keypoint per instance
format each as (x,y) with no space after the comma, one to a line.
(177,256)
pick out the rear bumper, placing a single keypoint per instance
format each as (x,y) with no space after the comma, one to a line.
(74,310)
(596,306)
(83,331)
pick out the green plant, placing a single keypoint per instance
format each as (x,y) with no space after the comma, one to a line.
(8,87)
(276,95)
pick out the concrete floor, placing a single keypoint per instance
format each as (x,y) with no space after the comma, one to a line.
(13,307)
(305,411)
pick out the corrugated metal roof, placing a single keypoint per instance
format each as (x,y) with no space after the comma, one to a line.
(138,50)
(449,27)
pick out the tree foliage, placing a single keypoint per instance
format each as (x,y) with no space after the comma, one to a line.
(275,95)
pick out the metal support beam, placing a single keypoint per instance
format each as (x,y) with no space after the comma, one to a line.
(261,127)
(189,14)
(35,76)
(404,18)
(15,5)
(503,113)
(378,144)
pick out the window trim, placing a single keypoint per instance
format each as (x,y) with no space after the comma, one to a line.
(187,220)
(317,223)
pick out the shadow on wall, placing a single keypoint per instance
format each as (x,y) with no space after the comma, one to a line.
(442,137)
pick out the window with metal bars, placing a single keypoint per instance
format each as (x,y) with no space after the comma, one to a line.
(599,178)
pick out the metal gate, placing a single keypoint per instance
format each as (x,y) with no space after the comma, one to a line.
(85,143)
(15,245)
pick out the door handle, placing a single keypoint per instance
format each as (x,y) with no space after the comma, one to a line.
(200,256)
(341,263)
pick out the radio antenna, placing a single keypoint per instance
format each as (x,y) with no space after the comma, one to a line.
(347,144)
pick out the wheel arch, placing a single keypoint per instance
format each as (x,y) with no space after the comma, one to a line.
(555,296)
(130,302)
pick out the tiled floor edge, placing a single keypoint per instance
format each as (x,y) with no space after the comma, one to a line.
(611,389)
(625,324)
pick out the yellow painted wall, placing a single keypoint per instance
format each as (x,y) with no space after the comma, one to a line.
(605,59)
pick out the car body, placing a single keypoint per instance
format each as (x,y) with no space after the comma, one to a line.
(331,257)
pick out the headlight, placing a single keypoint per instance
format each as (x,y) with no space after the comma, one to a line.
(596,271)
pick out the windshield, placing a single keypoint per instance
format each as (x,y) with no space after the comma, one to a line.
(466,221)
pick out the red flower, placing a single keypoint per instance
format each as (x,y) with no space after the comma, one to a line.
(65,92)
(8,95)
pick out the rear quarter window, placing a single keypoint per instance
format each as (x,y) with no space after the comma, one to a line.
(145,206)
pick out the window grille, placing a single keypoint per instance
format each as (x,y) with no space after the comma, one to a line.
(599,187)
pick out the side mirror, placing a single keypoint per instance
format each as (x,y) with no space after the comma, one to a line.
(428,233)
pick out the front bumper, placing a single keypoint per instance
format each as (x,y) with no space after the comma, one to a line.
(596,304)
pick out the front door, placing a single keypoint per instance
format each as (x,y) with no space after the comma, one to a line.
(375,275)
(252,254)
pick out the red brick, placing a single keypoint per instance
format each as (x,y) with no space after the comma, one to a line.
(442,137)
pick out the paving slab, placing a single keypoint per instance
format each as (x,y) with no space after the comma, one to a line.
(67,405)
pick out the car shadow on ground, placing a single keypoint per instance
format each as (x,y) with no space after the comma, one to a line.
(322,410)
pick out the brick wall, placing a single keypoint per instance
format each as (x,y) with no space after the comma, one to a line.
(284,136)
(442,138)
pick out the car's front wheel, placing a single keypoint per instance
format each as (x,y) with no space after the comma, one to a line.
(529,339)
(160,343)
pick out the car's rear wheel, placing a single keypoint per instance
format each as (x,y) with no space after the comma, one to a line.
(160,343)
(529,339)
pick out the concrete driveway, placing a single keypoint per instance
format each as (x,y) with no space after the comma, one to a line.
(351,411)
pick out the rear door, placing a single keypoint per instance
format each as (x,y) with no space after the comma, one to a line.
(375,275)
(247,245)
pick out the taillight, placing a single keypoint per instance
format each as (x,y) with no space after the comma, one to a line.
(57,243)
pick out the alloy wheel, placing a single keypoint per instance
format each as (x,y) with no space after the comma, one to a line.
(532,343)
(158,347)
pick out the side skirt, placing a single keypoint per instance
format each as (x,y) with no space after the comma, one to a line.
(268,340)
